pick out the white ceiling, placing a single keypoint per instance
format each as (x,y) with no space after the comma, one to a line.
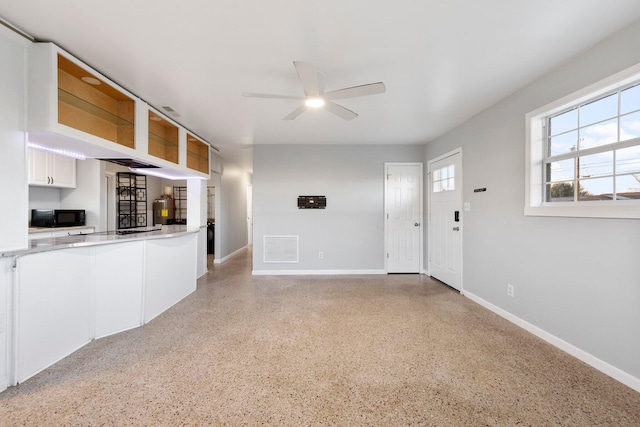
(441,61)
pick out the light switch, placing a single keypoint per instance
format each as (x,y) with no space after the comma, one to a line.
(467,206)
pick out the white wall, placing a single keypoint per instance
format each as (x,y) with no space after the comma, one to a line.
(13,160)
(13,174)
(576,279)
(350,231)
(43,198)
(89,192)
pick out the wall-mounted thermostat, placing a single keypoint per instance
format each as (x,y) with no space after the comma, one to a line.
(312,202)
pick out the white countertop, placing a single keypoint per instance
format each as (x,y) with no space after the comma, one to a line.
(102,238)
(35,230)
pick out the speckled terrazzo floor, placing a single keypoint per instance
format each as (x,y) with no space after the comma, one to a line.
(393,350)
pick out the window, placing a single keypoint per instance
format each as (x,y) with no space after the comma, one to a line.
(583,152)
(444,179)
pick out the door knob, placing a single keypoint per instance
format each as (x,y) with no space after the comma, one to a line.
(456,228)
(417,224)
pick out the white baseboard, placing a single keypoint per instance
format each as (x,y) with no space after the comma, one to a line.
(220,261)
(604,367)
(313,272)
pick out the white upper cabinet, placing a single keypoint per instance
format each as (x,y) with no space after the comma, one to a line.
(51,170)
(73,107)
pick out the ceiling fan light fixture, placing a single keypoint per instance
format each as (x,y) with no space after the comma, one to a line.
(314,102)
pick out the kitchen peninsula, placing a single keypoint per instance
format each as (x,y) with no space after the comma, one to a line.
(70,290)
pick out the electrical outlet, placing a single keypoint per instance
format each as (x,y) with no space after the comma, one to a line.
(320,255)
(509,289)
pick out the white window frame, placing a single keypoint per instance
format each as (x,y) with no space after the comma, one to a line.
(535,204)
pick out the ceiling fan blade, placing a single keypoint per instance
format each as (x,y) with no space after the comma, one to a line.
(350,92)
(268,95)
(308,77)
(340,111)
(295,113)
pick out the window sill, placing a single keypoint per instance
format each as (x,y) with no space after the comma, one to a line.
(586,210)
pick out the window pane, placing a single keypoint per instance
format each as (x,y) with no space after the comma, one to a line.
(560,171)
(600,134)
(628,187)
(437,186)
(452,172)
(563,143)
(451,184)
(630,126)
(630,99)
(599,110)
(595,165)
(560,192)
(436,175)
(628,160)
(563,122)
(595,189)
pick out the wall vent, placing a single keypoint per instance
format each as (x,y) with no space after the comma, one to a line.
(280,249)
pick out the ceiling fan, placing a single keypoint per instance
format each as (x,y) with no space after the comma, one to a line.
(314,98)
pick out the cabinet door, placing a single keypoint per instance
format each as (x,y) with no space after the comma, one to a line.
(51,170)
(38,173)
(62,171)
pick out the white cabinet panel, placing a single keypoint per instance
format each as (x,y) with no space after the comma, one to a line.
(63,171)
(52,315)
(171,273)
(119,287)
(51,170)
(38,169)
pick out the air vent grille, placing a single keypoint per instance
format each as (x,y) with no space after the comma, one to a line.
(280,249)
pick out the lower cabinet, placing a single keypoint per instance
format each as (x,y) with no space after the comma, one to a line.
(171,273)
(118,287)
(65,298)
(53,310)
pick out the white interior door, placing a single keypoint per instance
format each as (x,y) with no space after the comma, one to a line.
(403,213)
(445,226)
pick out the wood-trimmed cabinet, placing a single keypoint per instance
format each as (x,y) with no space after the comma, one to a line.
(87,103)
(51,170)
(197,154)
(163,138)
(74,107)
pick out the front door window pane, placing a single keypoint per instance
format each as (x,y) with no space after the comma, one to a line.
(444,179)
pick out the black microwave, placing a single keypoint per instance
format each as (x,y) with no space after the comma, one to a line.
(57,217)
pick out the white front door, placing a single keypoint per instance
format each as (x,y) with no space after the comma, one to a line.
(445,226)
(403,216)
